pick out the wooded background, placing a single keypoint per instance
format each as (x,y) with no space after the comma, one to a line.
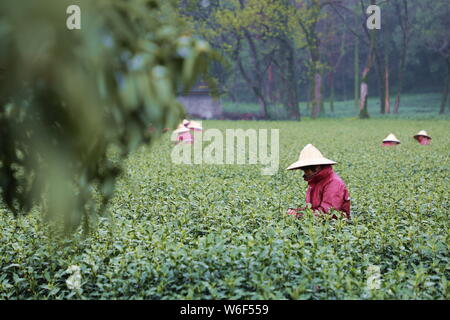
(281,52)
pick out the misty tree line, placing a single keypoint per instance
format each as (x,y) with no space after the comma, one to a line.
(281,52)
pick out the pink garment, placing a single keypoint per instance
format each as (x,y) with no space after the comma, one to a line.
(388,144)
(327,190)
(185,137)
(423,140)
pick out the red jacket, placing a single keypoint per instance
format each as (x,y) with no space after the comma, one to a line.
(185,137)
(423,140)
(327,190)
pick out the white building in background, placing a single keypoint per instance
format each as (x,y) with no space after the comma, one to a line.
(199,103)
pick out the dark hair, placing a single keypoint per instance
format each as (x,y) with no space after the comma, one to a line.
(322,166)
(310,167)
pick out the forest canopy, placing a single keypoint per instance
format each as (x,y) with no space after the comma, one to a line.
(319,51)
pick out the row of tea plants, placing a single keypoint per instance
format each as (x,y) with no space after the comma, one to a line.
(221,232)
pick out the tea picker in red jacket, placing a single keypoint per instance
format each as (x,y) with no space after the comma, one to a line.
(390,140)
(183,134)
(423,138)
(326,189)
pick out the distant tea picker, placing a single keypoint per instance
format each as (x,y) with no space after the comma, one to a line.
(185,130)
(390,140)
(423,138)
(183,134)
(326,189)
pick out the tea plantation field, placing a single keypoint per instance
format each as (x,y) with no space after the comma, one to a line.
(221,232)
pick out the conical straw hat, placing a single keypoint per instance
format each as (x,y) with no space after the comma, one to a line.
(185,122)
(194,125)
(310,156)
(181,129)
(391,138)
(422,133)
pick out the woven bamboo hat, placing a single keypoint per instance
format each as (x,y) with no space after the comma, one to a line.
(185,122)
(194,125)
(181,128)
(422,133)
(391,138)
(310,156)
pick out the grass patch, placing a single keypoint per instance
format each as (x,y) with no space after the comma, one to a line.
(413,106)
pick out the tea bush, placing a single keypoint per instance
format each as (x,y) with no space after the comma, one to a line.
(221,232)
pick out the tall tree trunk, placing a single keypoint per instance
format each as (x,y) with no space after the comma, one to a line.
(331,91)
(262,102)
(380,75)
(309,94)
(446,88)
(257,90)
(292,101)
(262,107)
(404,24)
(317,85)
(321,105)
(363,108)
(363,112)
(258,74)
(386,77)
(270,84)
(387,102)
(316,81)
(400,80)
(356,66)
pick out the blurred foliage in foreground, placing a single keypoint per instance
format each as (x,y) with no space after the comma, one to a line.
(68,96)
